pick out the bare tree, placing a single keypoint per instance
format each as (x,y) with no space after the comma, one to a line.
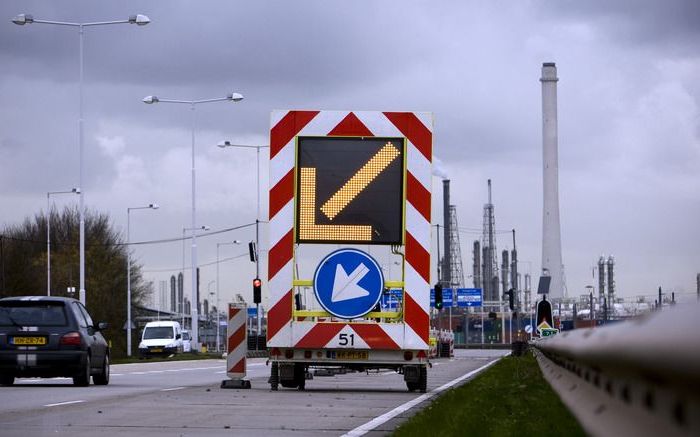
(23,265)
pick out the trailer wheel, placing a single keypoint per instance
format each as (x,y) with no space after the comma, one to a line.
(423,383)
(274,376)
(300,376)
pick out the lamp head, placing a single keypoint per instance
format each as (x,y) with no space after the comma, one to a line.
(153,206)
(149,100)
(23,19)
(236,97)
(205,228)
(76,190)
(224,144)
(139,20)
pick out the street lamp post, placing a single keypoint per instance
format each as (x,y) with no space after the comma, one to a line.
(128,273)
(193,308)
(139,20)
(218,311)
(231,97)
(207,313)
(48,234)
(225,144)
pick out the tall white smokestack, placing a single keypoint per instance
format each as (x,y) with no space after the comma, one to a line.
(551,230)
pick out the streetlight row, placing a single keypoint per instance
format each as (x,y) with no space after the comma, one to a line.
(149,100)
(139,20)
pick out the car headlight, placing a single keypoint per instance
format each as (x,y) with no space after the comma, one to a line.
(173,344)
(142,346)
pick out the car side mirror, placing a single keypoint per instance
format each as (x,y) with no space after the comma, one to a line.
(101,326)
(178,336)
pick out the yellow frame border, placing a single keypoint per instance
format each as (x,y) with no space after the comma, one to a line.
(308,282)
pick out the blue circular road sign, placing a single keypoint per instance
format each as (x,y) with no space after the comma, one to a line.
(348,283)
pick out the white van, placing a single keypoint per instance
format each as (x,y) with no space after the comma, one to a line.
(161,338)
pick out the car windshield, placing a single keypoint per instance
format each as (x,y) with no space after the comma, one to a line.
(157,332)
(185,335)
(23,313)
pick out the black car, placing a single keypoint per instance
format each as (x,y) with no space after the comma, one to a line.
(48,337)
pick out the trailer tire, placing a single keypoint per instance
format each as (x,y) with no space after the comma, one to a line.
(423,382)
(274,376)
(300,376)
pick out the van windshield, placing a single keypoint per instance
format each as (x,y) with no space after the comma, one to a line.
(153,332)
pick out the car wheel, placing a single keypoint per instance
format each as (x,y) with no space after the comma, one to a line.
(83,379)
(102,378)
(7,380)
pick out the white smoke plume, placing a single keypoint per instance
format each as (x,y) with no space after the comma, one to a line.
(438,168)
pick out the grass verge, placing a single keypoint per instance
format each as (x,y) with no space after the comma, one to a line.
(510,398)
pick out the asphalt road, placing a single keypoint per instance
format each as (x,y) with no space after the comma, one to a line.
(183,398)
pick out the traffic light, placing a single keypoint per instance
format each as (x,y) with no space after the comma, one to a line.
(511,298)
(438,296)
(257,290)
(252,251)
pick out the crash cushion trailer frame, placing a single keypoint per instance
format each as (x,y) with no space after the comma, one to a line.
(298,338)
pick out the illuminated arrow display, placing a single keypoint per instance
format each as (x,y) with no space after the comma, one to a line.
(349,190)
(360,180)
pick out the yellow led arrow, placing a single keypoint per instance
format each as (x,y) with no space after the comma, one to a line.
(309,230)
(360,180)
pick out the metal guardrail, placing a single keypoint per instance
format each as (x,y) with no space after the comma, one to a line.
(640,377)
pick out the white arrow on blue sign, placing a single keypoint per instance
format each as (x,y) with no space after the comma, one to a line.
(348,283)
(469,297)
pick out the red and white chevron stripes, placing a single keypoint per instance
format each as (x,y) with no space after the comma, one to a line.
(282,331)
(237,345)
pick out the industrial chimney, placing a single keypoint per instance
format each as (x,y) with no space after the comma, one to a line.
(551,231)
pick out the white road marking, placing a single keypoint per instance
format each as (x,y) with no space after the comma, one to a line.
(185,369)
(172,389)
(372,424)
(39,380)
(63,403)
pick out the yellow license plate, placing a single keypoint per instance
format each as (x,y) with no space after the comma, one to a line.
(352,355)
(29,341)
(156,350)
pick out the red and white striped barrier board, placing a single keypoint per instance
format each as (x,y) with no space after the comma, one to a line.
(237,341)
(416,129)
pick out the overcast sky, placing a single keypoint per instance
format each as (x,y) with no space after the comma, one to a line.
(629,118)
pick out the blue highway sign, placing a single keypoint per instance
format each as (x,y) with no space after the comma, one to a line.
(469,297)
(447,300)
(348,283)
(391,300)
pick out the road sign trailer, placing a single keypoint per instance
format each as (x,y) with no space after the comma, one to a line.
(341,179)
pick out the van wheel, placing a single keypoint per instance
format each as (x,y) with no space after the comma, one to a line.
(83,379)
(102,378)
